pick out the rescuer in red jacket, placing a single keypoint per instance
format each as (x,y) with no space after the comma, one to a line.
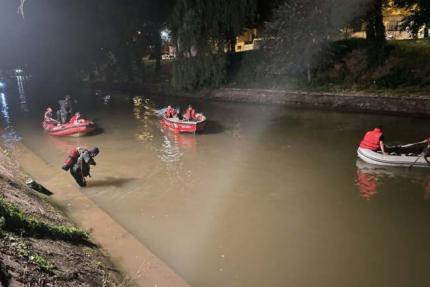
(373,140)
(79,161)
(190,114)
(170,112)
(75,118)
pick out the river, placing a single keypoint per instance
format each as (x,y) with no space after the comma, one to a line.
(266,196)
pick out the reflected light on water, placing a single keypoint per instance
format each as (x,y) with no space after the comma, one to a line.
(146,130)
(4,109)
(21,92)
(217,202)
(367,184)
(9,135)
(170,152)
(370,179)
(186,141)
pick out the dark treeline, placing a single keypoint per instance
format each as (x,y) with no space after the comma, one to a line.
(120,41)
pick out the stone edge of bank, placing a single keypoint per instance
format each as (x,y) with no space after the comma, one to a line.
(363,102)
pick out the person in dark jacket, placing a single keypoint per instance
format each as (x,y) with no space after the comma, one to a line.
(79,162)
(66,109)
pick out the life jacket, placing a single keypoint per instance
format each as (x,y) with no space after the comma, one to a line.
(73,156)
(371,140)
(190,114)
(170,112)
(73,119)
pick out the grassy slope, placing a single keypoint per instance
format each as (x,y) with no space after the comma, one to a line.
(38,245)
(344,67)
(407,67)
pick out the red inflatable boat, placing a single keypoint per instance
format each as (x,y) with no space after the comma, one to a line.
(78,129)
(182,126)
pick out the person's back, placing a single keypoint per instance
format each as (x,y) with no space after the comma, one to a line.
(170,112)
(79,162)
(190,114)
(68,104)
(372,140)
(66,107)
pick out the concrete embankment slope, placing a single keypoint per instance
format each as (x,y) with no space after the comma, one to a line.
(133,258)
(367,102)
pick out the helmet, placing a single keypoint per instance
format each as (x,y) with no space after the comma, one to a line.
(94,151)
(49,109)
(67,97)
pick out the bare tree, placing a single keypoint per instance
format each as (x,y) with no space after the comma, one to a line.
(20,10)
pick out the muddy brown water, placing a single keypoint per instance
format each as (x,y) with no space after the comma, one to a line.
(266,196)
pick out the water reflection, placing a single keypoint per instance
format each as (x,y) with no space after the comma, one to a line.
(367,184)
(170,151)
(21,91)
(145,132)
(5,109)
(9,135)
(370,179)
(186,141)
(62,144)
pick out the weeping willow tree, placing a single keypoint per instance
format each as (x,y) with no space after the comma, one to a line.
(299,32)
(203,32)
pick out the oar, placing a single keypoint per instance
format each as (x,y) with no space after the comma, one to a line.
(416,160)
(423,153)
(412,144)
(406,145)
(154,111)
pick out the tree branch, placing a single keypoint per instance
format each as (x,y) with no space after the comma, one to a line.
(20,10)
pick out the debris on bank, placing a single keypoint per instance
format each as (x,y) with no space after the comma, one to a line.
(39,246)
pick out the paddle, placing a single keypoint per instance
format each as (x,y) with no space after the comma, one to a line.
(154,111)
(405,145)
(416,160)
(424,153)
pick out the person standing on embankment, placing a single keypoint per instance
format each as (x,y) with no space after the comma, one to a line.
(79,161)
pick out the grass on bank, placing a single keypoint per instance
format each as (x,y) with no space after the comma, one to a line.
(343,67)
(15,220)
(24,250)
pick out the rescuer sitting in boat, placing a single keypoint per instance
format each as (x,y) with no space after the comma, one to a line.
(66,107)
(374,140)
(190,114)
(75,118)
(47,117)
(170,112)
(79,161)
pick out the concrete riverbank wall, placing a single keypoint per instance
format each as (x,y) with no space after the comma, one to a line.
(365,102)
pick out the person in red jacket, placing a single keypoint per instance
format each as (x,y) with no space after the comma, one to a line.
(190,114)
(78,162)
(75,118)
(170,112)
(373,140)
